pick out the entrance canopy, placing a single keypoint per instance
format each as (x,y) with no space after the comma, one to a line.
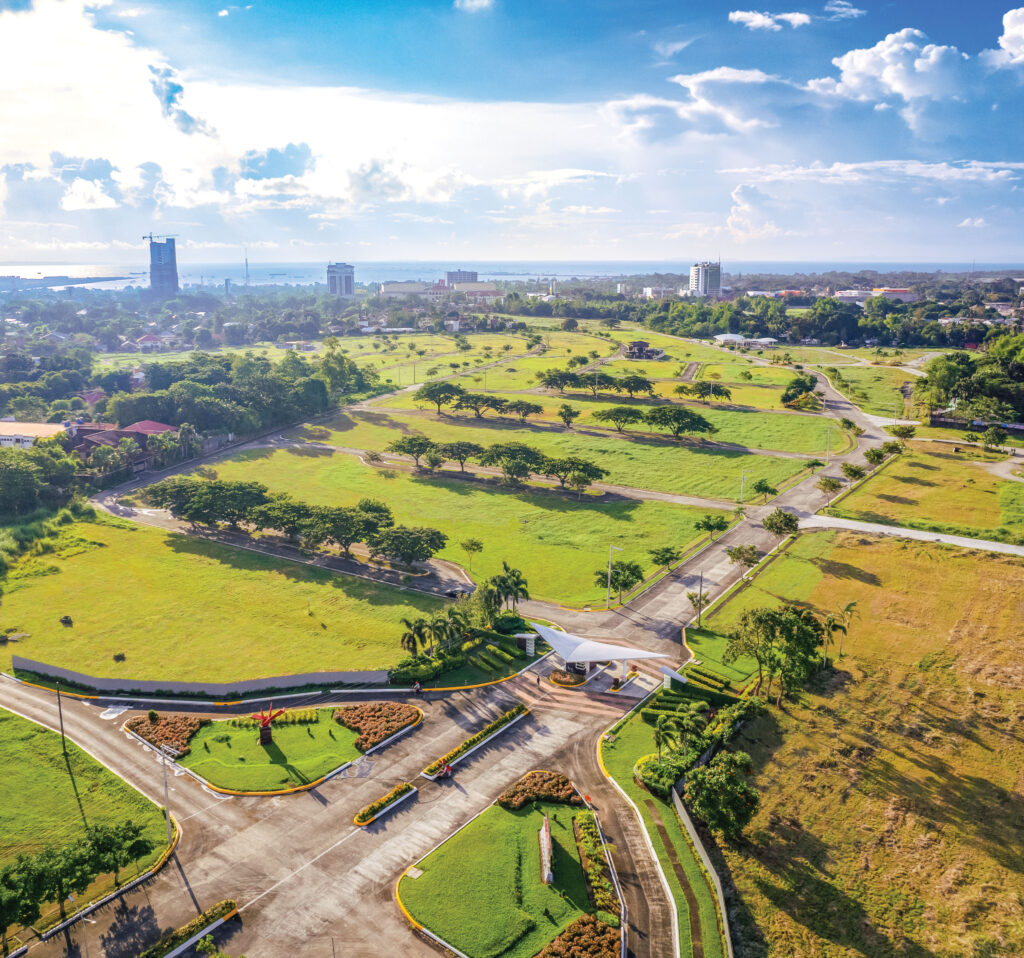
(574,648)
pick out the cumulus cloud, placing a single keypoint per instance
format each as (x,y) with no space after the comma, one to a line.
(86,195)
(1011,43)
(293,160)
(971,222)
(473,6)
(170,92)
(753,20)
(889,171)
(842,10)
(751,215)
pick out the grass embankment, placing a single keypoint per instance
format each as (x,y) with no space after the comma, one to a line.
(934,488)
(685,468)
(875,389)
(231,757)
(557,540)
(631,740)
(892,818)
(47,800)
(181,608)
(481,891)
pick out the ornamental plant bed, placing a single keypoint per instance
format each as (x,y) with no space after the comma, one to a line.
(370,812)
(568,679)
(474,740)
(178,937)
(595,867)
(540,786)
(376,721)
(172,730)
(587,937)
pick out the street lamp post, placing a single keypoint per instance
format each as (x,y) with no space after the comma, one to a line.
(608,594)
(60,713)
(743,477)
(828,443)
(164,756)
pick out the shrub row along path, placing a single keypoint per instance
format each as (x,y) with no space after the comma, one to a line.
(307,879)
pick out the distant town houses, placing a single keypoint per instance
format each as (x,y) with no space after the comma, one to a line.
(640,349)
(734,339)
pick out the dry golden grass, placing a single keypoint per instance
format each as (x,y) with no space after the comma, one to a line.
(892,818)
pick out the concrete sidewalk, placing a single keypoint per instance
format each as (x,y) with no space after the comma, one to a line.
(878,528)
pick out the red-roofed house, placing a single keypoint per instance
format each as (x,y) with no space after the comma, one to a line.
(149,428)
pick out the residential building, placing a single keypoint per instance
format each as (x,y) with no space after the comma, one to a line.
(21,435)
(902,295)
(479,292)
(706,279)
(341,280)
(460,276)
(641,349)
(853,295)
(657,292)
(401,290)
(163,268)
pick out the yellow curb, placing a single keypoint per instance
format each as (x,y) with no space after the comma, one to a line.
(45,688)
(629,676)
(522,714)
(398,898)
(356,820)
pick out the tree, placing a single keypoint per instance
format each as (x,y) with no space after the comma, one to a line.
(560,379)
(846,614)
(704,390)
(994,436)
(597,381)
(666,733)
(764,488)
(636,384)
(414,636)
(460,452)
(831,625)
(523,408)
(408,544)
(664,556)
(208,947)
(515,459)
(829,486)
(903,433)
(570,324)
(874,456)
(414,446)
(620,416)
(678,420)
(624,576)
(19,896)
(64,871)
(712,522)
(892,448)
(743,555)
(283,513)
(579,482)
(852,471)
(699,600)
(478,402)
(814,464)
(471,547)
(719,794)
(115,846)
(562,469)
(568,414)
(689,721)
(514,585)
(781,523)
(439,393)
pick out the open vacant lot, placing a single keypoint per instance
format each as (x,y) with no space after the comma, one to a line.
(557,540)
(876,389)
(182,608)
(892,815)
(653,463)
(932,487)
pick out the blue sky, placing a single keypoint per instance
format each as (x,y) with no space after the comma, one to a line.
(489,129)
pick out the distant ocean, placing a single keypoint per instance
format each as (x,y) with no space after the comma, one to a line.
(304,274)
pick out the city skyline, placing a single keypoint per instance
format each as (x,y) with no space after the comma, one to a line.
(827,131)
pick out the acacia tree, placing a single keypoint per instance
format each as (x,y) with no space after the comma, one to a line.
(625,574)
(620,416)
(568,414)
(523,408)
(408,544)
(711,523)
(903,433)
(460,452)
(439,393)
(743,555)
(415,446)
(829,486)
(664,556)
(678,420)
(597,381)
(636,384)
(764,488)
(781,523)
(561,469)
(471,547)
(719,794)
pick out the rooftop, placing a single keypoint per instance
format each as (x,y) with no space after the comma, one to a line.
(37,430)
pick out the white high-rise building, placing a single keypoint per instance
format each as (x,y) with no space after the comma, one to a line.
(706,279)
(341,279)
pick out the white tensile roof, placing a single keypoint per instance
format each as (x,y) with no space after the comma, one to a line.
(574,648)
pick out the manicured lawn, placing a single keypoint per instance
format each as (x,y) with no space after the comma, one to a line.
(481,891)
(631,740)
(233,758)
(957,435)
(932,487)
(689,469)
(650,368)
(182,608)
(892,818)
(876,389)
(129,360)
(557,540)
(812,355)
(730,373)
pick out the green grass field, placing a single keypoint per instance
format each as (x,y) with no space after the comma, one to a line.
(557,540)
(481,891)
(876,389)
(932,487)
(233,758)
(731,374)
(629,741)
(105,361)
(182,608)
(689,469)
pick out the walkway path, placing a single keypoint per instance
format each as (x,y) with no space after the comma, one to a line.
(878,528)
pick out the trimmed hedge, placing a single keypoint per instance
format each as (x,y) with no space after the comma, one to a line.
(500,654)
(540,786)
(368,813)
(178,937)
(434,767)
(706,677)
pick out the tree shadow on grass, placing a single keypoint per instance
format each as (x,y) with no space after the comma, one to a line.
(897,500)
(913,480)
(277,757)
(310,452)
(845,570)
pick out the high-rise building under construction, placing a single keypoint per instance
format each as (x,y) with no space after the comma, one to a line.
(163,268)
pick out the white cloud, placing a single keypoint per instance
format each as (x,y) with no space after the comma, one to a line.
(723,75)
(751,215)
(472,6)
(965,171)
(1011,43)
(86,195)
(222,13)
(666,49)
(843,10)
(754,20)
(589,210)
(972,222)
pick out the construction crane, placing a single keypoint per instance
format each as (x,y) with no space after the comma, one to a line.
(151,236)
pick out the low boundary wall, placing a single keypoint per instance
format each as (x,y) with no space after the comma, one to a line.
(241,687)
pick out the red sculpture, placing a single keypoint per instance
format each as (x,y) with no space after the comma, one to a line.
(265,719)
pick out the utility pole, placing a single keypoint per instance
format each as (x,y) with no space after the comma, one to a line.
(700,597)
(167,802)
(743,477)
(828,443)
(60,712)
(608,594)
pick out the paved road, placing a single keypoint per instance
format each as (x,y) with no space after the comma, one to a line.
(878,528)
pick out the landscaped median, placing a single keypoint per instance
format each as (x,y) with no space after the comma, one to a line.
(307,745)
(483,893)
(373,811)
(474,742)
(180,940)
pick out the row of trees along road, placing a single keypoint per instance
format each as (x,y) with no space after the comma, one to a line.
(210,501)
(54,874)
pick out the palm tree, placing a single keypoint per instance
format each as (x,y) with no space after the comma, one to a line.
(515,585)
(847,613)
(439,630)
(666,733)
(689,722)
(187,439)
(457,623)
(414,635)
(832,625)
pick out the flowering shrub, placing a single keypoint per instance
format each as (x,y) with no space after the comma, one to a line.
(172,730)
(376,721)
(290,717)
(561,677)
(178,937)
(587,937)
(595,864)
(371,811)
(434,767)
(539,787)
